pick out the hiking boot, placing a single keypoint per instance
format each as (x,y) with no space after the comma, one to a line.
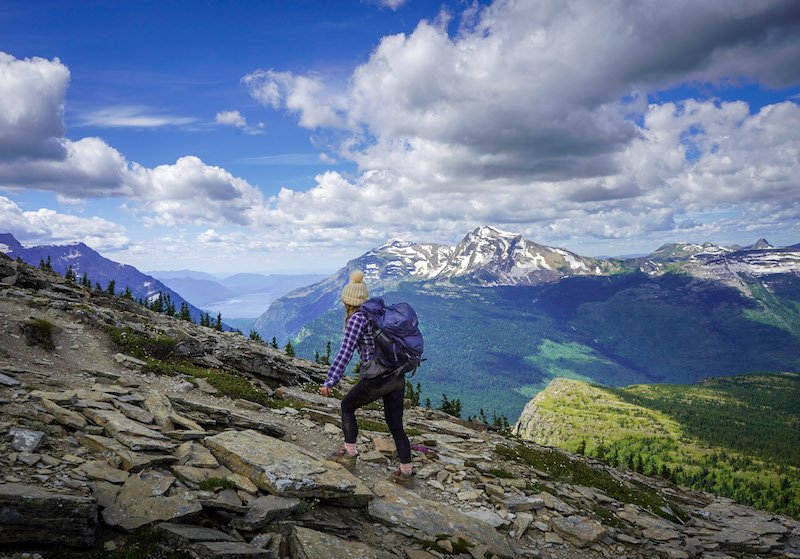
(341,456)
(406,480)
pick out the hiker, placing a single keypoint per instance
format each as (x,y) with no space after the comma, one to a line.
(359,334)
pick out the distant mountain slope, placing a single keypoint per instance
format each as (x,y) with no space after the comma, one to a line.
(735,436)
(485,256)
(83,258)
(495,348)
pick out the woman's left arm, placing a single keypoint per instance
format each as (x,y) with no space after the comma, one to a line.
(355,326)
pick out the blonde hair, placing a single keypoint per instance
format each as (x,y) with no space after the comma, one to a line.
(349,310)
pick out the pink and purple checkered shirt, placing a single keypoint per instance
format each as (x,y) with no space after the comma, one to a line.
(358,334)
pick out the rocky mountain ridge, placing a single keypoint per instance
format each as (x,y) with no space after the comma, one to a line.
(489,257)
(99,445)
(107,453)
(99,269)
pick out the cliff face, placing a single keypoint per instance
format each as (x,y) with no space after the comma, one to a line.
(207,444)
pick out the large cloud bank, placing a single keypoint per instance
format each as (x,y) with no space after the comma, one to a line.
(539,116)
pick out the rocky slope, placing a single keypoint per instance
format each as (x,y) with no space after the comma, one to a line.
(83,259)
(107,455)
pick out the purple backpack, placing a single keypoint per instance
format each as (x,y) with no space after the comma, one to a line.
(398,341)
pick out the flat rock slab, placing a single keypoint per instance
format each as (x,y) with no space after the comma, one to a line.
(264,510)
(126,458)
(279,467)
(141,502)
(232,550)
(30,514)
(310,544)
(66,398)
(183,533)
(6,380)
(242,421)
(578,530)
(25,440)
(199,475)
(63,415)
(134,412)
(195,455)
(101,470)
(115,423)
(396,506)
(140,444)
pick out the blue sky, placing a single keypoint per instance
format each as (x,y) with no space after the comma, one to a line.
(291,136)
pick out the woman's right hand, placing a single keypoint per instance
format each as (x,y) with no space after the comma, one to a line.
(324,391)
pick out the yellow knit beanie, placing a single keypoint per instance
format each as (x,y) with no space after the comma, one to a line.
(355,292)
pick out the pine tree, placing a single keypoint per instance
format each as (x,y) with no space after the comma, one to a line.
(317,358)
(70,276)
(111,288)
(274,343)
(128,294)
(427,402)
(289,349)
(218,323)
(185,314)
(42,264)
(581,447)
(48,264)
(85,281)
(255,336)
(451,407)
(326,359)
(98,288)
(482,416)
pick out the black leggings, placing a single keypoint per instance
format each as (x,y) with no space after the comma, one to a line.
(392,389)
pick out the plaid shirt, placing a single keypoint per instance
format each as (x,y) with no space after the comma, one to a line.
(357,335)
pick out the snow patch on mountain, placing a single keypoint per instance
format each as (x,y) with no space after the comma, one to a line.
(4,248)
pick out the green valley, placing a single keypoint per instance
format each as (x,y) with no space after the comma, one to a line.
(735,436)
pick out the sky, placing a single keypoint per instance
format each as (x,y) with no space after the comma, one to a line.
(289,137)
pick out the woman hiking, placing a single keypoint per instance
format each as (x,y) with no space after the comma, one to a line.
(359,334)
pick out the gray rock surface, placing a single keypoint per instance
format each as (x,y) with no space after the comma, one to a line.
(30,514)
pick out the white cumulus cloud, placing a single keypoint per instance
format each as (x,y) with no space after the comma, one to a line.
(49,226)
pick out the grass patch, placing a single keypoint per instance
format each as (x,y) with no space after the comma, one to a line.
(141,345)
(562,468)
(214,483)
(39,332)
(497,472)
(607,517)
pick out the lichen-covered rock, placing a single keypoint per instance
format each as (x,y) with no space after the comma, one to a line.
(399,507)
(280,467)
(310,544)
(579,531)
(141,501)
(30,514)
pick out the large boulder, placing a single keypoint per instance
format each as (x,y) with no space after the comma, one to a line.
(395,506)
(30,514)
(283,468)
(310,544)
(142,501)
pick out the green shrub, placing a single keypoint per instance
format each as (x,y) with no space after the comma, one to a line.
(39,332)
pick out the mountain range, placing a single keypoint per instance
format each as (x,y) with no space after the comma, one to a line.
(502,315)
(99,269)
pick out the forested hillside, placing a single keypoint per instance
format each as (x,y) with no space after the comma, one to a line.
(734,436)
(496,347)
